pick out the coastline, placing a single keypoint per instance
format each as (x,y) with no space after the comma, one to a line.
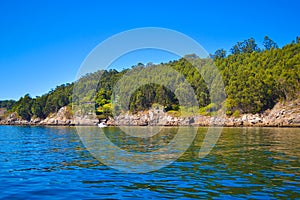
(283,114)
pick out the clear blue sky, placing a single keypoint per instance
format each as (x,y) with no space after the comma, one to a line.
(43,43)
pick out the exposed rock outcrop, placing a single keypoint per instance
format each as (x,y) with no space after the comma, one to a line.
(285,114)
(13,119)
(62,117)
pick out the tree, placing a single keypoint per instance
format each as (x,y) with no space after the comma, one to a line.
(236,49)
(269,43)
(247,46)
(253,82)
(250,46)
(23,107)
(8,104)
(220,53)
(38,106)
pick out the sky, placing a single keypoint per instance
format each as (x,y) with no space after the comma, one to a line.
(43,43)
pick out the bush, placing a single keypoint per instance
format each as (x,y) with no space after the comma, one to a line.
(208,110)
(236,113)
(174,113)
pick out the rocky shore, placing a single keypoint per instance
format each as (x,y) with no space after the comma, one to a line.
(285,114)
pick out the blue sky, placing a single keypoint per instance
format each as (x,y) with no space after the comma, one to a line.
(43,43)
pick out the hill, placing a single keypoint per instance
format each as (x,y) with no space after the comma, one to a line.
(254,79)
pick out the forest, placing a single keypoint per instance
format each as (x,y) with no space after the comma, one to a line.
(254,80)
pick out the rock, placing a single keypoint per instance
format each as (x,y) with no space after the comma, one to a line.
(37,120)
(244,118)
(255,120)
(283,114)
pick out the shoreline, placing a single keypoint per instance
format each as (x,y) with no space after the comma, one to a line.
(283,114)
(204,126)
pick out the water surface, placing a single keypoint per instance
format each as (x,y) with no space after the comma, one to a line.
(53,163)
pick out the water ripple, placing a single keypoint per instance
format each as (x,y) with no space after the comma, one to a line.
(247,163)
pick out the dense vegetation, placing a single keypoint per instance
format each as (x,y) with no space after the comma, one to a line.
(257,79)
(7,104)
(41,107)
(254,79)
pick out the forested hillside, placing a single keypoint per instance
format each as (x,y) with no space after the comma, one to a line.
(7,104)
(254,79)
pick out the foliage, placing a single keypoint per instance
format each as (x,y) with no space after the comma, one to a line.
(174,113)
(254,81)
(41,107)
(23,107)
(7,104)
(220,53)
(208,109)
(247,46)
(269,43)
(236,113)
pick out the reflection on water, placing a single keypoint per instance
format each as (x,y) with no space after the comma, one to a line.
(41,162)
(130,154)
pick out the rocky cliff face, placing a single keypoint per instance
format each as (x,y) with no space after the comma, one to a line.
(285,114)
(62,117)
